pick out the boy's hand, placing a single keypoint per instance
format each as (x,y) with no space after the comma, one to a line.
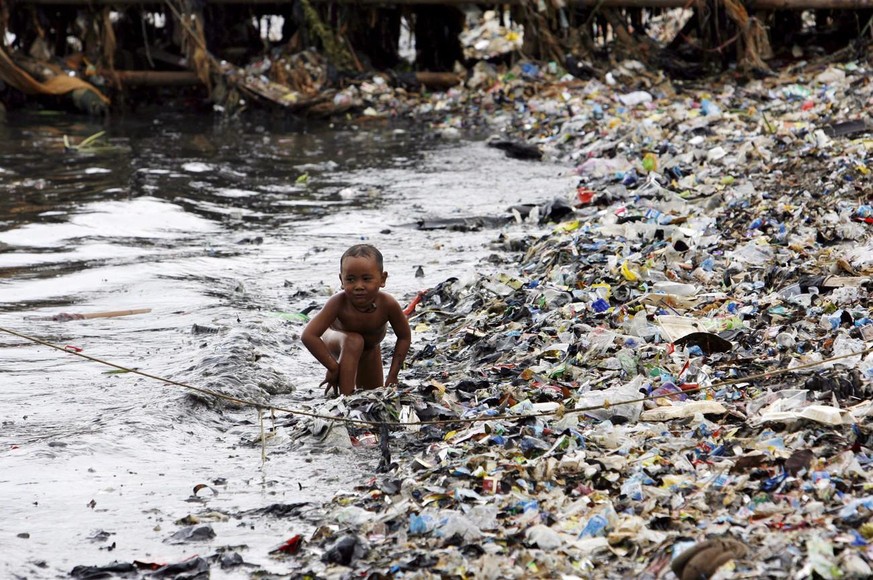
(391,381)
(331,381)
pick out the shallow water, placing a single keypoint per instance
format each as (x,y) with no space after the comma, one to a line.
(220,225)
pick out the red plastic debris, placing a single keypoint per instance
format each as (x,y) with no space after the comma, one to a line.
(584,195)
(411,308)
(291,545)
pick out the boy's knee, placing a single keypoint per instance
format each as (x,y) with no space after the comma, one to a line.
(354,342)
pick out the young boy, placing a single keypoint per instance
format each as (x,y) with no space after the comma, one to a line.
(345,335)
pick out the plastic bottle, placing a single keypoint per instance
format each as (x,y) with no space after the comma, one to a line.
(420,524)
(639,326)
(596,526)
(630,178)
(675,288)
(632,488)
(597,111)
(843,346)
(785,340)
(789,291)
(694,351)
(628,361)
(707,107)
(828,322)
(650,162)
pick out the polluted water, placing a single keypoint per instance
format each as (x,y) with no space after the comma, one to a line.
(192,251)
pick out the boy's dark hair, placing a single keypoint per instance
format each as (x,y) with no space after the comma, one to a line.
(363,251)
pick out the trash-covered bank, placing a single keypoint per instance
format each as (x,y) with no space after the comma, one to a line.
(673,378)
(676,378)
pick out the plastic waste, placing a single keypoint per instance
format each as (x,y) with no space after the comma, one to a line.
(455,524)
(192,534)
(610,403)
(420,524)
(683,411)
(596,526)
(345,550)
(676,288)
(543,537)
(635,98)
(697,267)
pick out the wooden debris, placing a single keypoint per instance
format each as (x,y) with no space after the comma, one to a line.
(65,317)
(701,561)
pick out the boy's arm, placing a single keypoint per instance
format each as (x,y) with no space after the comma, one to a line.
(400,326)
(316,327)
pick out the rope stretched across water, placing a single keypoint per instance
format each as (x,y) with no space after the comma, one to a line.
(482,418)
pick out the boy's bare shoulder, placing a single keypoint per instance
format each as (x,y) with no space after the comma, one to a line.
(338,297)
(335,304)
(385,299)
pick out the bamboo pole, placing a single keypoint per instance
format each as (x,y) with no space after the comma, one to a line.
(64,316)
(150,78)
(116,313)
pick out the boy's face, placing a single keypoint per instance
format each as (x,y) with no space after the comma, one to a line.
(361,279)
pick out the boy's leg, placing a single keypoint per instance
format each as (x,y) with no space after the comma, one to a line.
(370,369)
(346,347)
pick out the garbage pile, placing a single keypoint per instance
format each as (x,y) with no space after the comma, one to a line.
(666,373)
(676,376)
(485,36)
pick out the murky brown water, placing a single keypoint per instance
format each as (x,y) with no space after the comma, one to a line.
(220,225)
